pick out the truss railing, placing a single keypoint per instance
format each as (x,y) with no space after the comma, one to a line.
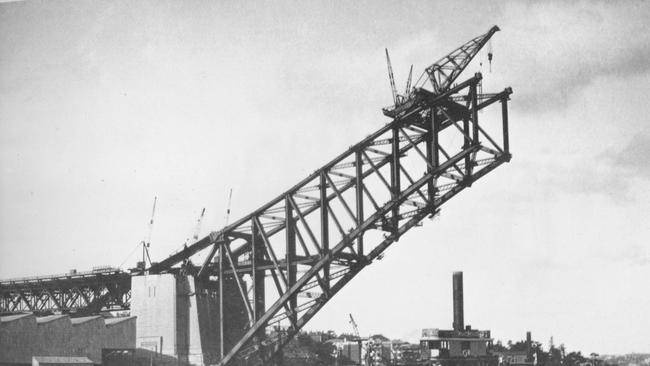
(75,293)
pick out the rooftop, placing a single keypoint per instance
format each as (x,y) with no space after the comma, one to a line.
(61,359)
(84,319)
(113,321)
(49,318)
(10,318)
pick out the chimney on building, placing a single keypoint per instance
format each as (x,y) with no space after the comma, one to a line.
(459,322)
(528,346)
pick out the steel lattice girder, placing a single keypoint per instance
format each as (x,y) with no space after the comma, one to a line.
(81,294)
(388,182)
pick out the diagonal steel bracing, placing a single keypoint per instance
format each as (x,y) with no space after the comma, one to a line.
(81,293)
(312,239)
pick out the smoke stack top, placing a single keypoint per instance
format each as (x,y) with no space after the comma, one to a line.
(459,322)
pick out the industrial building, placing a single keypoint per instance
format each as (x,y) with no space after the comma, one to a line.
(171,315)
(25,336)
(460,346)
(518,358)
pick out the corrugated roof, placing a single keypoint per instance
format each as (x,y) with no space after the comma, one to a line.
(10,318)
(84,319)
(61,359)
(49,318)
(112,321)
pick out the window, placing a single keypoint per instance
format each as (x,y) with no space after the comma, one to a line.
(464,345)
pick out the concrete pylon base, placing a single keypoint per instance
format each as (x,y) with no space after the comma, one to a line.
(178,316)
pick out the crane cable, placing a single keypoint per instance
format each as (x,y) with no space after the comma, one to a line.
(228,208)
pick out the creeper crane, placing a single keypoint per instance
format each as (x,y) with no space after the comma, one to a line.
(397,98)
(355,328)
(442,73)
(146,243)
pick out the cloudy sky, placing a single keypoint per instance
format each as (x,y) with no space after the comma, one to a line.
(105,105)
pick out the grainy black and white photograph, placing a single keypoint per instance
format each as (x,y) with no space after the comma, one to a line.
(324,183)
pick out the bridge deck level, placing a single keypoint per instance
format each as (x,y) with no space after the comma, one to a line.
(76,293)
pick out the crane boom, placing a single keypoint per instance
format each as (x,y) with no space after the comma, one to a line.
(228,208)
(407,91)
(442,73)
(446,70)
(355,328)
(147,242)
(198,225)
(393,89)
(153,213)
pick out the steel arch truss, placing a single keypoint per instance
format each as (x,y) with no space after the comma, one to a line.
(297,251)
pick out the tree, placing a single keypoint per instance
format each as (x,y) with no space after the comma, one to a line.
(309,352)
(519,346)
(380,337)
(574,359)
(498,347)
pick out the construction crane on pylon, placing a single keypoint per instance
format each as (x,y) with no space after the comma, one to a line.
(197,228)
(146,243)
(397,98)
(355,328)
(228,207)
(198,225)
(440,75)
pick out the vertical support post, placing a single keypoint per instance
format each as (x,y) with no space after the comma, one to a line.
(291,267)
(394,177)
(474,97)
(504,113)
(467,143)
(257,256)
(324,226)
(221,317)
(432,153)
(359,184)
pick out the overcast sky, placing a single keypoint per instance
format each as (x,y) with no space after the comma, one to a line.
(104,105)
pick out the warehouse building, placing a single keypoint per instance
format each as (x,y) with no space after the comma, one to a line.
(25,336)
(460,346)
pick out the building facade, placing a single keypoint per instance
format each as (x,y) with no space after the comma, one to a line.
(460,346)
